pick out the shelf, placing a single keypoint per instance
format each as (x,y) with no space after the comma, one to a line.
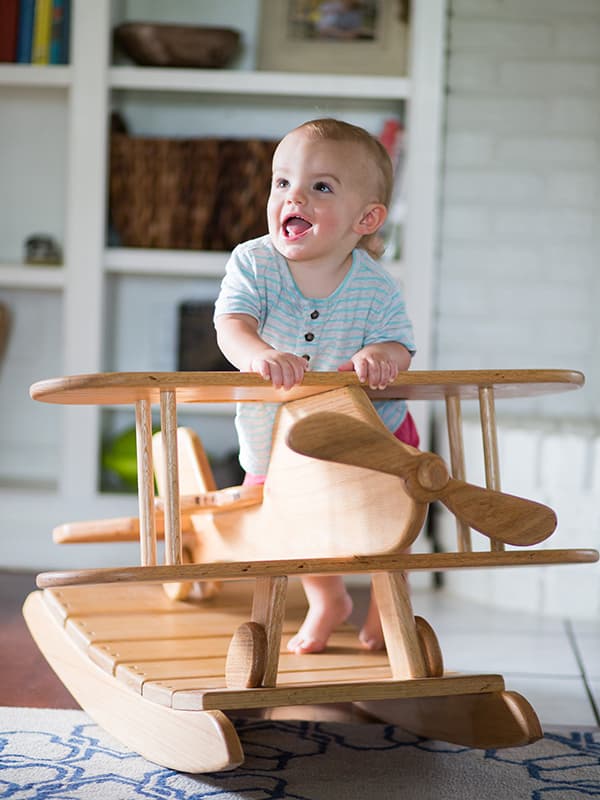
(177,263)
(22,276)
(281,84)
(32,75)
(10,486)
(167,263)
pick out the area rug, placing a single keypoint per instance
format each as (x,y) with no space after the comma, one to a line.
(63,755)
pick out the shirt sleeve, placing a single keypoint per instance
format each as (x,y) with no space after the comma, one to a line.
(389,321)
(239,292)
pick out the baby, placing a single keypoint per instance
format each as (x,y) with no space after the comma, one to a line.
(311,295)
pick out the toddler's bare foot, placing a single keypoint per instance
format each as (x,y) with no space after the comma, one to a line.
(320,621)
(371,633)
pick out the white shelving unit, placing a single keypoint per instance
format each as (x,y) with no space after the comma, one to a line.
(246,82)
(75,318)
(141,261)
(17,276)
(29,75)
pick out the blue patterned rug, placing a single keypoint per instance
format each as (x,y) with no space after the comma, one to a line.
(62,755)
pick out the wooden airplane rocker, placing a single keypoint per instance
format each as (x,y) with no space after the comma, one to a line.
(160,655)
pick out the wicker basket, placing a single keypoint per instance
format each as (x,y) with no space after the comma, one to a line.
(196,194)
(244,181)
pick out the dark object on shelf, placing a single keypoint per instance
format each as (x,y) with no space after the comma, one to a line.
(197,349)
(42,250)
(156,45)
(4,327)
(195,194)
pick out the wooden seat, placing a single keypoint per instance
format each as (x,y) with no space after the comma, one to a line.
(341,496)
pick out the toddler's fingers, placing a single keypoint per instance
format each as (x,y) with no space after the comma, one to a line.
(288,375)
(264,370)
(276,374)
(300,367)
(363,370)
(384,374)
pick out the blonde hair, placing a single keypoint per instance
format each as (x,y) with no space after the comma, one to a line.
(338,131)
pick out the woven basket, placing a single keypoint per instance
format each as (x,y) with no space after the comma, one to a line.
(243,185)
(196,194)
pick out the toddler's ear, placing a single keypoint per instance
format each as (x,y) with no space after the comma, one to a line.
(371,219)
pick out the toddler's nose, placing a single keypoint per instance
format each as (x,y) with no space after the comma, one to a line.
(296,196)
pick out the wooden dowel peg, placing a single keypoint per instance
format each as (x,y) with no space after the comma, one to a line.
(168,419)
(457,463)
(487,410)
(143,440)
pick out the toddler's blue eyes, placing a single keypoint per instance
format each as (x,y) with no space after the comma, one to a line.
(320,186)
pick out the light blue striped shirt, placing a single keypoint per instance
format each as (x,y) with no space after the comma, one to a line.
(366,308)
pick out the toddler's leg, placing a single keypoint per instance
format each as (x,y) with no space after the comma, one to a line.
(329,604)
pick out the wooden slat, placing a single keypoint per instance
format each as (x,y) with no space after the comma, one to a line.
(295,693)
(72,601)
(436,562)
(109,655)
(215,387)
(293,671)
(78,601)
(195,689)
(135,675)
(342,648)
(100,628)
(335,664)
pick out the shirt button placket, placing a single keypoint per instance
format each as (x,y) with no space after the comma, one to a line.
(310,336)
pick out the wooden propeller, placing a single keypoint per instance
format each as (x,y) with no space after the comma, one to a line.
(336,437)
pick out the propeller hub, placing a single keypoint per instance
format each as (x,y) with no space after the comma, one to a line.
(432,473)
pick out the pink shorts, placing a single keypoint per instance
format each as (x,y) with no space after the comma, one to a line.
(407,433)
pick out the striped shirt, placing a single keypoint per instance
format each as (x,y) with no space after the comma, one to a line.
(366,308)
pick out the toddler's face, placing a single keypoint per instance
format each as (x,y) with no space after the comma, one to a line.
(319,191)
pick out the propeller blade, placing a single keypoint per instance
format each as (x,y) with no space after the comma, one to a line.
(340,438)
(504,517)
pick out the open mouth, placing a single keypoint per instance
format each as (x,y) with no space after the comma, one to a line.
(295,226)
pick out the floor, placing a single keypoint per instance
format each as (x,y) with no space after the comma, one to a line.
(555,663)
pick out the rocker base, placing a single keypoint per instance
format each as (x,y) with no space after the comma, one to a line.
(186,741)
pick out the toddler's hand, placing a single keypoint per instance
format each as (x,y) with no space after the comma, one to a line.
(373,365)
(284,370)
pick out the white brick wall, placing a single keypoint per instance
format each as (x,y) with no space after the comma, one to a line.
(556,463)
(519,282)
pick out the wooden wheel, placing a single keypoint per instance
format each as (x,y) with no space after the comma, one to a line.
(432,653)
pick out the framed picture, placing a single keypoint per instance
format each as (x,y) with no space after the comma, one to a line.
(365,37)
